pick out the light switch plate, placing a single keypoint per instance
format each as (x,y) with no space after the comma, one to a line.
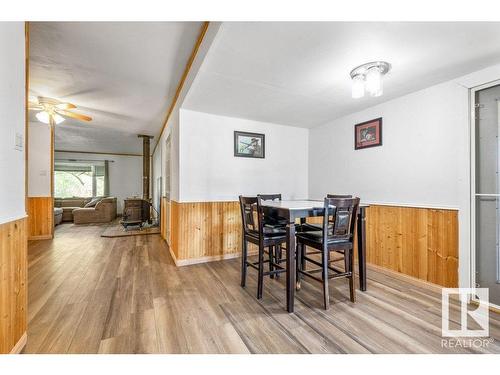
(19,145)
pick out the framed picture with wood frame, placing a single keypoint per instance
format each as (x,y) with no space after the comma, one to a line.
(368,134)
(249,145)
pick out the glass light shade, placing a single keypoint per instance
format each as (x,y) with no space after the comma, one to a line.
(374,82)
(358,86)
(43,116)
(58,119)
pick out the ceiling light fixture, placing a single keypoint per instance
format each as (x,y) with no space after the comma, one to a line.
(368,77)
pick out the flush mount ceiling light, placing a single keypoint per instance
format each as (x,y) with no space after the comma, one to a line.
(368,77)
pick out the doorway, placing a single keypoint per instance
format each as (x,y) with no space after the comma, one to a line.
(485,205)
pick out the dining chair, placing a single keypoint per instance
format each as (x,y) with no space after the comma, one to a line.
(276,222)
(306,227)
(267,238)
(336,234)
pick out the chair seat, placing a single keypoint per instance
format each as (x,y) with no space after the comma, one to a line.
(269,232)
(316,237)
(275,221)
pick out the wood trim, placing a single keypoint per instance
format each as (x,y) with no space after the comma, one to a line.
(40,218)
(214,258)
(52,154)
(14,283)
(491,308)
(411,205)
(18,348)
(26,112)
(189,63)
(40,237)
(99,153)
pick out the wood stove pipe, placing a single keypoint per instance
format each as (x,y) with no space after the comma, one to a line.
(146,165)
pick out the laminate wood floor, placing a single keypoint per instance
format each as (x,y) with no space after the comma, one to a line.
(89,294)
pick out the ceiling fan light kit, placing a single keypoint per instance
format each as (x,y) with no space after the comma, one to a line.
(369,78)
(54,112)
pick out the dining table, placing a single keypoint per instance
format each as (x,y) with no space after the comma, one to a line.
(292,210)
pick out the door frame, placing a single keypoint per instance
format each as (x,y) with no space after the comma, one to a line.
(472,159)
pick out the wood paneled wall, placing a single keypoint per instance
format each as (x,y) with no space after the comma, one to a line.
(13,285)
(205,230)
(40,218)
(418,242)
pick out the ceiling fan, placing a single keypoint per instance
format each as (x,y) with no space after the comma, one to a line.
(53,111)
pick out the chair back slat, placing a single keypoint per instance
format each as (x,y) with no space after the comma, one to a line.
(251,215)
(270,197)
(339,218)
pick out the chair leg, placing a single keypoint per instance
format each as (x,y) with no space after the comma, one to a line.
(271,260)
(244,250)
(352,279)
(260,282)
(326,294)
(303,250)
(277,257)
(298,266)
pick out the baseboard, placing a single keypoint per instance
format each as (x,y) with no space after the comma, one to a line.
(20,344)
(172,255)
(42,237)
(213,258)
(410,279)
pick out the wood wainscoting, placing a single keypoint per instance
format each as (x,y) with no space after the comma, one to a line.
(417,242)
(13,285)
(205,231)
(40,218)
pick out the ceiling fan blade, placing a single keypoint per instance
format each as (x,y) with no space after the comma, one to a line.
(73,115)
(65,106)
(34,105)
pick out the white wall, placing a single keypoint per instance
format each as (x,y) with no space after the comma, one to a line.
(209,171)
(172,126)
(417,165)
(12,91)
(125,173)
(39,160)
(424,160)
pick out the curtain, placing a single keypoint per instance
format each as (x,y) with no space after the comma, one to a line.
(106,178)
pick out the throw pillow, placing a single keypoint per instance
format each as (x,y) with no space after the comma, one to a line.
(93,202)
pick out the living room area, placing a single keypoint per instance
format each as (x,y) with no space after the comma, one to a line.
(88,150)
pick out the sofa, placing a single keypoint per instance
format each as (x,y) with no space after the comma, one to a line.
(69,204)
(58,214)
(103,212)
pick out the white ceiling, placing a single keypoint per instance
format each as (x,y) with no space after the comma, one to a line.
(124,75)
(298,73)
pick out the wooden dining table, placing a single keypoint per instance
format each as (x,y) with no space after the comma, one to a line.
(291,210)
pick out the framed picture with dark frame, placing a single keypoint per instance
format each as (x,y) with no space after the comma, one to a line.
(249,145)
(368,134)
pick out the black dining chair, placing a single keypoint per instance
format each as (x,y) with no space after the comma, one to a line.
(307,227)
(274,222)
(336,234)
(267,238)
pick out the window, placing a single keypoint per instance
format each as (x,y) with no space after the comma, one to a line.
(79,180)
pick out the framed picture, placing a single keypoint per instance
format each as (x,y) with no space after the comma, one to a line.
(368,134)
(249,145)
